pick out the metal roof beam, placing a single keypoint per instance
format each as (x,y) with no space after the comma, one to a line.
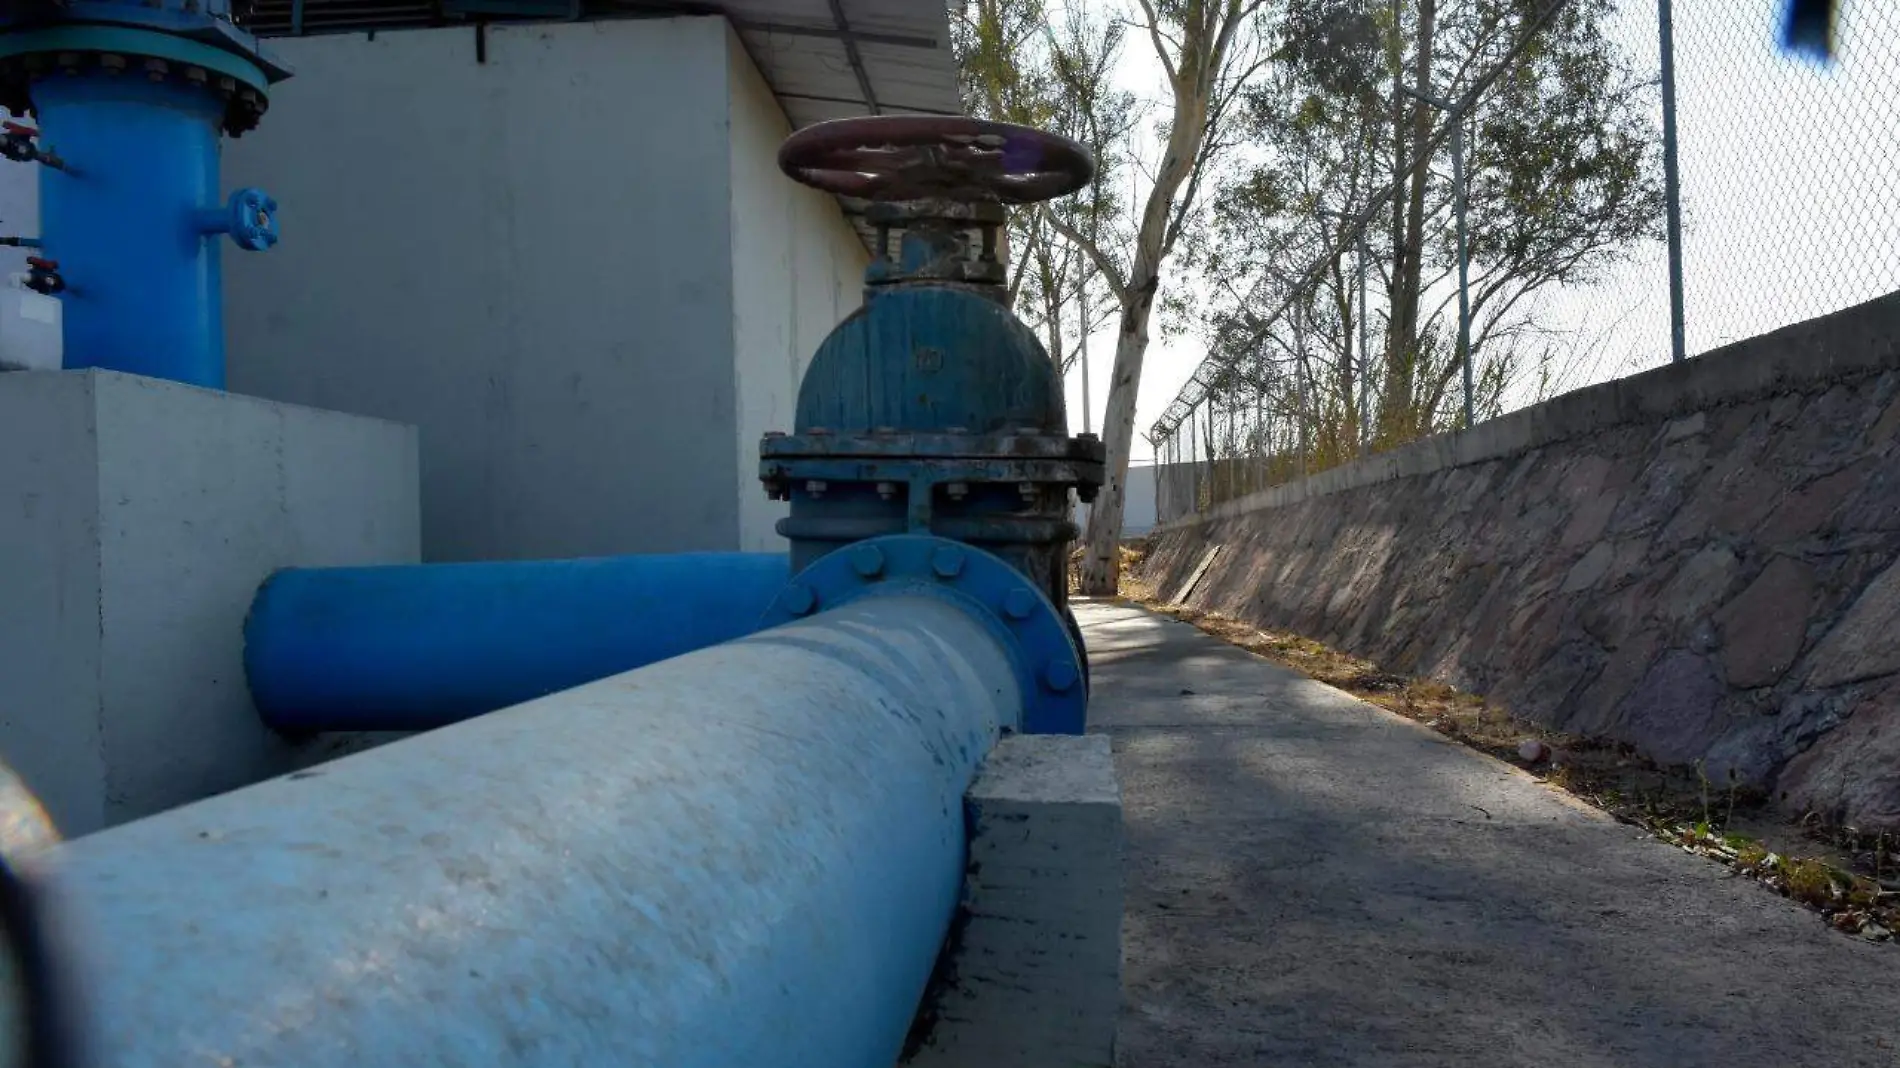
(833,32)
(859,103)
(857,60)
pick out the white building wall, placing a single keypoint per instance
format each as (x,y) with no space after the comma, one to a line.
(526,256)
(797,269)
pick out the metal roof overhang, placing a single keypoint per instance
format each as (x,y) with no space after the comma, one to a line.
(833,59)
(822,59)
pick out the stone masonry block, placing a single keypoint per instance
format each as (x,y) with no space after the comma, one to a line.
(1035,978)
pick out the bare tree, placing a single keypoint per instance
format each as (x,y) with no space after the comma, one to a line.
(1008,51)
(1563,182)
(1208,51)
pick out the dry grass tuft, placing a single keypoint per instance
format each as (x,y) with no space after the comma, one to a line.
(1134,587)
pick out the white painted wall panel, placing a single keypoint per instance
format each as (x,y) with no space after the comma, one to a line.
(797,270)
(528,258)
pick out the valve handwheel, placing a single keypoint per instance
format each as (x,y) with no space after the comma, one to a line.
(903,157)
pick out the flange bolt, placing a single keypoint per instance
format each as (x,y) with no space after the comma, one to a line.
(1018,603)
(800,600)
(947,562)
(1059,675)
(867,561)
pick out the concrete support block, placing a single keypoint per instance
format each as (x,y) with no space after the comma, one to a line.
(138,518)
(1035,969)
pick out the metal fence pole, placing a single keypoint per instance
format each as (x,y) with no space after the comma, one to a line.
(1264,469)
(1213,451)
(1456,116)
(1194,461)
(1083,296)
(1672,180)
(1464,285)
(1164,483)
(1215,496)
(1299,374)
(1157,482)
(1365,352)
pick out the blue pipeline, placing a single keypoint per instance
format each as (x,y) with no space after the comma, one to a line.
(127,222)
(417,647)
(748,855)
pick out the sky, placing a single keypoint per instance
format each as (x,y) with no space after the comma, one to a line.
(1790,185)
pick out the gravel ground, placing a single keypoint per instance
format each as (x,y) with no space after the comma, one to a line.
(1315,881)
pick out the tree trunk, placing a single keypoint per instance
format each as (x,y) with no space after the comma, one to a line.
(1101,562)
(1342,306)
(1400,415)
(1196,67)
(1052,320)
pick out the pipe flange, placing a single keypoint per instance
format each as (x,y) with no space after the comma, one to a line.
(120,51)
(1049,665)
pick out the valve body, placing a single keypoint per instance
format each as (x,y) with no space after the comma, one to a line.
(933,410)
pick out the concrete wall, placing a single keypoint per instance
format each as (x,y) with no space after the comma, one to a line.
(139,518)
(19,212)
(1700,560)
(49,616)
(533,260)
(797,270)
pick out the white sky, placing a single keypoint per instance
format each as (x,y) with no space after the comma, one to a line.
(1791,192)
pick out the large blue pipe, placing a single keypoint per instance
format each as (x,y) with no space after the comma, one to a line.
(142,162)
(749,855)
(420,646)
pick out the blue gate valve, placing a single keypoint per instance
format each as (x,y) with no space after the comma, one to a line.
(930,447)
(250,218)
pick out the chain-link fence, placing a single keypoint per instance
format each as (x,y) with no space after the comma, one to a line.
(1551,119)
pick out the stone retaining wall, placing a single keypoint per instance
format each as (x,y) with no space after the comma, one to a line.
(1699,560)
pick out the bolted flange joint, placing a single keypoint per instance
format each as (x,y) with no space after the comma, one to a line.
(1048,664)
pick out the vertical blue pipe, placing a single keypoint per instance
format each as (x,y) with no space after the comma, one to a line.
(421,646)
(141,165)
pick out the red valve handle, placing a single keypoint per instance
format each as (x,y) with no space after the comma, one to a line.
(904,157)
(42,264)
(19,128)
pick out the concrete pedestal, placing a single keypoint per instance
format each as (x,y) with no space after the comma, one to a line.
(137,518)
(1035,975)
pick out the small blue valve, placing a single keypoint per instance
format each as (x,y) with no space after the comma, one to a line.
(250,218)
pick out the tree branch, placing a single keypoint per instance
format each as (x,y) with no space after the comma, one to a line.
(1153,26)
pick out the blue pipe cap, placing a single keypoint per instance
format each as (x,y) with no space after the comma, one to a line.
(249,217)
(1047,661)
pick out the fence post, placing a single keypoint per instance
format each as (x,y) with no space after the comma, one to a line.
(1672,180)
(1365,352)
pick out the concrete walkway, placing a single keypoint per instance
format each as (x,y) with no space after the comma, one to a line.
(1315,881)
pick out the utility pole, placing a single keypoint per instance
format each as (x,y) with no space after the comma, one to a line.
(1456,115)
